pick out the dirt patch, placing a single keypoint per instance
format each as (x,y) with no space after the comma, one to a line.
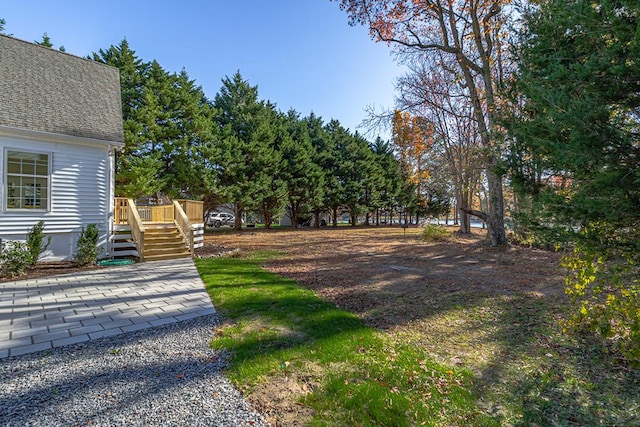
(212,250)
(280,398)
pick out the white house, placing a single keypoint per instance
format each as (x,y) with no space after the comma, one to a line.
(60,123)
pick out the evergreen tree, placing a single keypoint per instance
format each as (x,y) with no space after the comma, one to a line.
(269,188)
(271,201)
(303,177)
(391,179)
(322,151)
(357,174)
(576,140)
(189,167)
(246,144)
(337,139)
(130,166)
(577,151)
(168,130)
(46,41)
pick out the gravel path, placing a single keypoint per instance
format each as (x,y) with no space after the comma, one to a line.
(165,376)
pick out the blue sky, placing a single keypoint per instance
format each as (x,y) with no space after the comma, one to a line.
(301,54)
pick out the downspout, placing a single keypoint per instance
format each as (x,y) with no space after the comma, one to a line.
(110,201)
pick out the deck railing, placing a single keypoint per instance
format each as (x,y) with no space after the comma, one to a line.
(194,210)
(137,228)
(159,214)
(183,224)
(121,210)
(183,213)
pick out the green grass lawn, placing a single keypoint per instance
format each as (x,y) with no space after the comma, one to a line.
(286,344)
(347,373)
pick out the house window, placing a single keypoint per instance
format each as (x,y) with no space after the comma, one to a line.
(27,180)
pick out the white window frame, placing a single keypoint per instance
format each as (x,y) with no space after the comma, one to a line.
(5,177)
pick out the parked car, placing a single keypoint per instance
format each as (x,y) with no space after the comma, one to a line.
(218,219)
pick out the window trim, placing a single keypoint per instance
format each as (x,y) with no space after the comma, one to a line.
(5,178)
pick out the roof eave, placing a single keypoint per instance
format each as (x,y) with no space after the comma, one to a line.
(57,137)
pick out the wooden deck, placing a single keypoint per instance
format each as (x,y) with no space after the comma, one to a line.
(158,232)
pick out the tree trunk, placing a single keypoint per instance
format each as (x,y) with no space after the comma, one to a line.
(495,222)
(293,214)
(464,204)
(237,211)
(495,216)
(267,220)
(335,216)
(316,219)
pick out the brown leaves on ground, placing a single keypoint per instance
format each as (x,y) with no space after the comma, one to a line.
(390,277)
(463,302)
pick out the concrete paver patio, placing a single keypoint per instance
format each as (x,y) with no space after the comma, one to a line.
(44,313)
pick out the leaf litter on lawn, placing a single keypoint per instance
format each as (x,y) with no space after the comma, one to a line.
(495,312)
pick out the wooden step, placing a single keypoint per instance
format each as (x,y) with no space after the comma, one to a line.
(166,256)
(164,251)
(165,248)
(127,253)
(118,245)
(119,237)
(164,235)
(122,244)
(161,241)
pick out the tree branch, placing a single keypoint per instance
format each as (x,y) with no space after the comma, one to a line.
(478,214)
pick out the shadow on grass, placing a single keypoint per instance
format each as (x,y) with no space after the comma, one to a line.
(275,328)
(538,376)
(530,373)
(268,312)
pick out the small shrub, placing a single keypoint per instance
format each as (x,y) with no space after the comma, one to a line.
(87,248)
(15,258)
(35,243)
(435,233)
(605,295)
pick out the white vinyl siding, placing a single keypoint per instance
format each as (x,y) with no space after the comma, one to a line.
(80,184)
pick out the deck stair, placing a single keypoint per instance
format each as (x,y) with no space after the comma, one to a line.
(163,241)
(156,232)
(122,244)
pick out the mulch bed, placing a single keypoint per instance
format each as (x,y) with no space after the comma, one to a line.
(45,269)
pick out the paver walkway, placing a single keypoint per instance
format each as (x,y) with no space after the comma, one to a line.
(43,313)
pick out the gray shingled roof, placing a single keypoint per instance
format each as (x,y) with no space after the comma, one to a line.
(46,90)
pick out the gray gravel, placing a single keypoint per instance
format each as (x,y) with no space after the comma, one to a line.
(165,376)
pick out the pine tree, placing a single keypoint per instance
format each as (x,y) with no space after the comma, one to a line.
(129,163)
(46,41)
(576,155)
(245,149)
(304,179)
(168,126)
